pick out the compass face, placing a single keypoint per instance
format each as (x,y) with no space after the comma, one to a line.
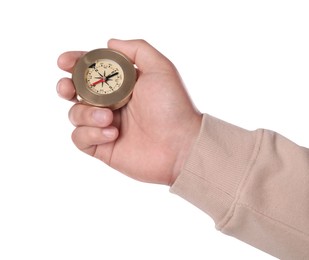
(104,78)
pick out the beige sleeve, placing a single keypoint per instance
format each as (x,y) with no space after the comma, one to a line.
(255,186)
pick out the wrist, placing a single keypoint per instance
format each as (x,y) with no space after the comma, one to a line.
(186,140)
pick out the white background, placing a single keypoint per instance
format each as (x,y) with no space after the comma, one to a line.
(246,62)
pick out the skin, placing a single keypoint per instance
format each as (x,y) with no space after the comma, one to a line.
(150,138)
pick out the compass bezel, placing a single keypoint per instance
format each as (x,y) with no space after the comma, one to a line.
(112,100)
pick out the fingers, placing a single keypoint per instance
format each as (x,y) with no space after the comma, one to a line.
(84,115)
(88,138)
(67,60)
(93,127)
(66,90)
(146,57)
(93,124)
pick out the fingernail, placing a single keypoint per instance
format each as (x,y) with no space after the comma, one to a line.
(58,86)
(109,133)
(99,116)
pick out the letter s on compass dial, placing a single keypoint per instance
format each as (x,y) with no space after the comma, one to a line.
(104,78)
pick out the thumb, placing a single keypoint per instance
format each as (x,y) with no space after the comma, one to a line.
(146,57)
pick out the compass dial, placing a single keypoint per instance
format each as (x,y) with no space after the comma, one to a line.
(104,76)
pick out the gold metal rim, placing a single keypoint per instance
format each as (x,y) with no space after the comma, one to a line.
(114,100)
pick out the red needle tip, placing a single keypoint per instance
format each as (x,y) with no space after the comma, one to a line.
(97,82)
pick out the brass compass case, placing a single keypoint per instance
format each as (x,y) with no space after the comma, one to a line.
(104,78)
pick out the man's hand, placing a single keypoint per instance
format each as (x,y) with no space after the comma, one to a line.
(150,138)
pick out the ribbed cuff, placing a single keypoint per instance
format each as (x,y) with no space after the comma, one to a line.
(216,168)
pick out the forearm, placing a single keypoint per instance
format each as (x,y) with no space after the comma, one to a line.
(255,185)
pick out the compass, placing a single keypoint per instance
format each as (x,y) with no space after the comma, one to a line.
(104,78)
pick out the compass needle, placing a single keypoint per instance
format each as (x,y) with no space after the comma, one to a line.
(97,82)
(112,75)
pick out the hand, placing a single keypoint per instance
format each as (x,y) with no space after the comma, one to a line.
(150,138)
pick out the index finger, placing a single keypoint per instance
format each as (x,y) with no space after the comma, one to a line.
(67,60)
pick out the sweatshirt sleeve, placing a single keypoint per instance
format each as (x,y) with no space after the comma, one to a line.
(254,184)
